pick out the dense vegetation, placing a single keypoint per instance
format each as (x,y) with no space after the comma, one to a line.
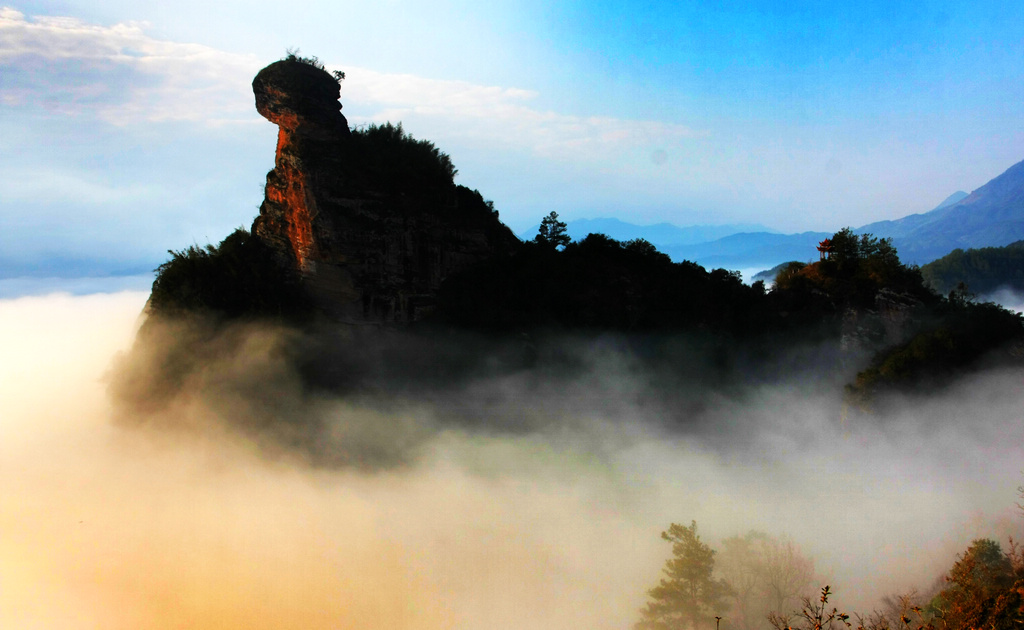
(861,293)
(387,158)
(858,269)
(981,271)
(237,278)
(952,338)
(861,297)
(921,339)
(600,284)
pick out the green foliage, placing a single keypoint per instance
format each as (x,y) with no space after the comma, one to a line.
(386,158)
(552,232)
(790,274)
(237,278)
(900,611)
(688,592)
(982,270)
(957,336)
(929,339)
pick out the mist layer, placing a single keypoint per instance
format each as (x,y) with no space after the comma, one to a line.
(182,519)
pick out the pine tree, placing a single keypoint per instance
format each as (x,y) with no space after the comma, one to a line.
(688,594)
(552,231)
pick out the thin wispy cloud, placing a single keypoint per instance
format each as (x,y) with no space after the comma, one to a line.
(503,116)
(119,73)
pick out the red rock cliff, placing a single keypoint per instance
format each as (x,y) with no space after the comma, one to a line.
(370,242)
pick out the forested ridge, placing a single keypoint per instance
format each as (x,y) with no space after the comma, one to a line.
(979,271)
(859,297)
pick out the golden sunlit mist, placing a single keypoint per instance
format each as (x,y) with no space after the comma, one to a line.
(107,526)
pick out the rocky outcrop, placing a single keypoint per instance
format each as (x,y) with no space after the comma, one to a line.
(339,210)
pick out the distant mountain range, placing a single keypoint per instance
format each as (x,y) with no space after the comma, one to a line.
(730,245)
(663,235)
(750,249)
(991,216)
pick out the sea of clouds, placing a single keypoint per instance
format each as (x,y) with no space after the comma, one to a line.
(554,523)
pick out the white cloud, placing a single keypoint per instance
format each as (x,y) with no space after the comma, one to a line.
(123,75)
(120,73)
(60,187)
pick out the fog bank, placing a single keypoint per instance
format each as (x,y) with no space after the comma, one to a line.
(556,525)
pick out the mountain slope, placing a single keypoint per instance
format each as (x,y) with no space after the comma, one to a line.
(950,200)
(991,216)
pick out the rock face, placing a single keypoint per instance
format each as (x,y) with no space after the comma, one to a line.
(349,212)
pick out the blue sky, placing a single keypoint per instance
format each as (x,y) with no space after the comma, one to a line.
(127,128)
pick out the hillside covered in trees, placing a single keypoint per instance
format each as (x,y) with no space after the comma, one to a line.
(861,301)
(979,271)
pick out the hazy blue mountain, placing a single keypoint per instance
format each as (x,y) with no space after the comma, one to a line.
(751,249)
(768,275)
(899,228)
(991,216)
(950,200)
(661,235)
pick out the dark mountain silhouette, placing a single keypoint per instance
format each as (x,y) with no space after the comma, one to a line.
(768,275)
(370,222)
(391,279)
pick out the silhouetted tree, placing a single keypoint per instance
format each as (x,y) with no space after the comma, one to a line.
(689,591)
(815,615)
(552,231)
